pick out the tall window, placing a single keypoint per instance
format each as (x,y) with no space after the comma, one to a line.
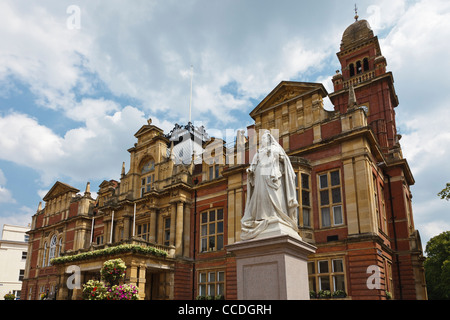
(211,234)
(330,199)
(383,210)
(211,283)
(303,186)
(326,274)
(166,231)
(147,177)
(213,171)
(52,251)
(143,231)
(99,240)
(44,255)
(59,247)
(358,67)
(352,70)
(366,64)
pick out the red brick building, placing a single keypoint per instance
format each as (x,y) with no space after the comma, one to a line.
(184,195)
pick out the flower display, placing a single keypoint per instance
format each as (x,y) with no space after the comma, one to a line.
(94,290)
(109,251)
(123,292)
(113,271)
(109,289)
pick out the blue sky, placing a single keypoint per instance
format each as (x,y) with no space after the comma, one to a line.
(72,99)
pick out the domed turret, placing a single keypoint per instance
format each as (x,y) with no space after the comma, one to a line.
(358,31)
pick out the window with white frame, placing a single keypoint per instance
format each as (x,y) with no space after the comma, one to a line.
(44,256)
(60,247)
(327,274)
(166,231)
(143,231)
(303,186)
(211,230)
(213,171)
(330,199)
(211,283)
(21,274)
(147,177)
(52,251)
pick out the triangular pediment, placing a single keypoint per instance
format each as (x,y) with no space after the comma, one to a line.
(287,91)
(148,129)
(58,189)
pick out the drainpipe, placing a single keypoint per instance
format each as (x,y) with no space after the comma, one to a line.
(395,238)
(195,237)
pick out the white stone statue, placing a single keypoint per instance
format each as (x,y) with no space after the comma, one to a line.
(271,206)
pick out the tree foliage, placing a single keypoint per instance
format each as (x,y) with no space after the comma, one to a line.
(445,193)
(437,267)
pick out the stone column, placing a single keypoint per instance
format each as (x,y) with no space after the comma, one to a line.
(126,227)
(179,230)
(141,281)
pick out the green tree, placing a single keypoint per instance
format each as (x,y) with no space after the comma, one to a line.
(437,267)
(445,193)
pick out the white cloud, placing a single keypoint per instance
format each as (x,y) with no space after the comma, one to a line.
(21,217)
(39,50)
(94,151)
(5,194)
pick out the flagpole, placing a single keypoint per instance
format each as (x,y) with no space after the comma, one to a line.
(190,96)
(92,230)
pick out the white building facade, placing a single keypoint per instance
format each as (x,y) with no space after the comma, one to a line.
(13,256)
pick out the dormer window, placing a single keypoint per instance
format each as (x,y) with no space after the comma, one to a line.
(147,177)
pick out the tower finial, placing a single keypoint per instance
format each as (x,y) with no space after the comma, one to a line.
(356,13)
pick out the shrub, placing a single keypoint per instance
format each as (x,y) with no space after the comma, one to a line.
(339,294)
(9,296)
(324,294)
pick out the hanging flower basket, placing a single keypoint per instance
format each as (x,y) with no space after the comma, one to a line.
(113,271)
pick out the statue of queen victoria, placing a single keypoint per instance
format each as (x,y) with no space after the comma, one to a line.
(271,206)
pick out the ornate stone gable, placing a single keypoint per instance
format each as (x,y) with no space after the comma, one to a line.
(286,91)
(58,189)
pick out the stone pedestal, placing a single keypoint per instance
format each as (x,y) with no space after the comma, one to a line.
(272,268)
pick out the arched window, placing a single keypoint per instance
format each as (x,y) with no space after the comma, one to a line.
(44,258)
(59,247)
(147,177)
(52,251)
(366,64)
(358,67)
(352,70)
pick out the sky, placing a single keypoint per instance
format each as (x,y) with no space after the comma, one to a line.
(79,78)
